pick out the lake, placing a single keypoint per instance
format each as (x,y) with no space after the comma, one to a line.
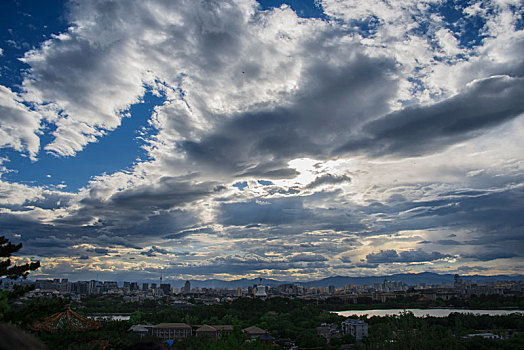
(426,312)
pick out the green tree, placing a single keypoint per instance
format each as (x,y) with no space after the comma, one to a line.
(136,317)
(16,271)
(13,272)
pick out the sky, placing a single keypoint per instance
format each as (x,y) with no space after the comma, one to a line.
(292,140)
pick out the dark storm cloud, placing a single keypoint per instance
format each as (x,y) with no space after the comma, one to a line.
(367,266)
(426,129)
(328,179)
(448,242)
(391,256)
(307,258)
(494,214)
(166,193)
(188,232)
(489,255)
(491,218)
(57,239)
(345,259)
(468,269)
(100,251)
(340,103)
(321,116)
(271,212)
(155,250)
(141,211)
(290,215)
(235,264)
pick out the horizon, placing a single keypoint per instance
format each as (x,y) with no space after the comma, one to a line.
(511,277)
(288,139)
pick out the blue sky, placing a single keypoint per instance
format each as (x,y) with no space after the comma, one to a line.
(285,139)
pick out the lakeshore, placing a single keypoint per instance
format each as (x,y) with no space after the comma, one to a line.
(436,312)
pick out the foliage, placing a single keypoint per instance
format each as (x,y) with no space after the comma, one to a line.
(284,318)
(236,340)
(16,271)
(113,331)
(414,302)
(28,311)
(12,272)
(408,332)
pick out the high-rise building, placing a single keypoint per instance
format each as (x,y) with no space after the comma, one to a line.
(187,288)
(166,288)
(83,287)
(92,287)
(144,286)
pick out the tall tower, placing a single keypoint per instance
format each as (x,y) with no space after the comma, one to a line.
(261,290)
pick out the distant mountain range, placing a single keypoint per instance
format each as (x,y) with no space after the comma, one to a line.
(410,279)
(341,281)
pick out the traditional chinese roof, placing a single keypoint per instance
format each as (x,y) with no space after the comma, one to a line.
(206,328)
(223,327)
(173,325)
(67,319)
(254,330)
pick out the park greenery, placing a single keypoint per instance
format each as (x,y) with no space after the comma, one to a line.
(12,271)
(400,301)
(283,317)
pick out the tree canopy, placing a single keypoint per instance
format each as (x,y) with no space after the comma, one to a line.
(13,271)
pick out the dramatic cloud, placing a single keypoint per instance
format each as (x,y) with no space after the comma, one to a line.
(484,104)
(378,137)
(18,125)
(408,256)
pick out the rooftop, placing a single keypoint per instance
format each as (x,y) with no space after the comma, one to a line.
(172,325)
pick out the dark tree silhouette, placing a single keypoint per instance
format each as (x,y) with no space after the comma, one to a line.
(16,271)
(13,272)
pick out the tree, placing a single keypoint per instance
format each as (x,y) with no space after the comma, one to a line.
(13,272)
(16,271)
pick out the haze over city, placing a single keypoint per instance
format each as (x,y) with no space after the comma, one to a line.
(291,140)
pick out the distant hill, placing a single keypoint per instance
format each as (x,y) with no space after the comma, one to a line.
(341,281)
(216,283)
(408,278)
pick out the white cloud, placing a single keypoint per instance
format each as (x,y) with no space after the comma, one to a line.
(18,125)
(265,95)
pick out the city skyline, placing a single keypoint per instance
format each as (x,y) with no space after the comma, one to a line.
(291,140)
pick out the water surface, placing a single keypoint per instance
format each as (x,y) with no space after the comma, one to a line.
(426,312)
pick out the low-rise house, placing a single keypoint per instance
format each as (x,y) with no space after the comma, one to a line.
(357,328)
(206,331)
(254,332)
(141,329)
(212,331)
(171,331)
(224,330)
